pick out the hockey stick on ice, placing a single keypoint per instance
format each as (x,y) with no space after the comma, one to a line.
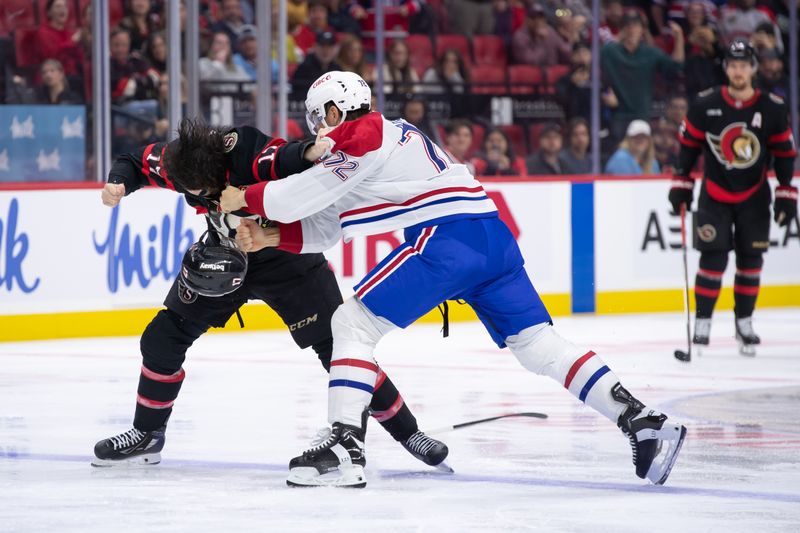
(445,429)
(680,355)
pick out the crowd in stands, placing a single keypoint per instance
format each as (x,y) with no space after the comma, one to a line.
(655,56)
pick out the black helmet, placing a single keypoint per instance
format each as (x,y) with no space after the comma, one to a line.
(213,266)
(741,49)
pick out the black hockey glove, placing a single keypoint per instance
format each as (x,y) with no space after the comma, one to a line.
(785,204)
(681,192)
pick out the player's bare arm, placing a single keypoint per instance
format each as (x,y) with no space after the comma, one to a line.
(251,237)
(112,193)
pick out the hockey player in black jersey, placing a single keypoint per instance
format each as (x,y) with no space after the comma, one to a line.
(299,287)
(742,132)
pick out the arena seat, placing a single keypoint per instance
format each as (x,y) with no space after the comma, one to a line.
(24,47)
(489,50)
(488,79)
(516,136)
(453,41)
(420,50)
(525,79)
(18,13)
(553,74)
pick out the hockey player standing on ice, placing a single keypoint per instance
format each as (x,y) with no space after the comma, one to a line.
(741,131)
(211,288)
(383,176)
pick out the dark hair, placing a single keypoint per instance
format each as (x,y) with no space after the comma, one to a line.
(196,160)
(509,148)
(462,69)
(118,31)
(454,125)
(574,123)
(351,115)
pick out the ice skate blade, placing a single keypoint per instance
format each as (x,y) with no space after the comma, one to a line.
(747,350)
(349,477)
(659,473)
(149,459)
(444,467)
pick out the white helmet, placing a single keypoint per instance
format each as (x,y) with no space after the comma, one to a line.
(347,90)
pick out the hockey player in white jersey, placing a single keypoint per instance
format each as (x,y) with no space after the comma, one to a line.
(382,176)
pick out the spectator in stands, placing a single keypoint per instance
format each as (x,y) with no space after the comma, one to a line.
(497,156)
(537,43)
(247,46)
(305,35)
(155,51)
(547,160)
(219,65)
(398,76)
(630,66)
(55,41)
(703,67)
(293,53)
(771,75)
(766,37)
(575,157)
(415,112)
(140,22)
(665,143)
(351,57)
(574,90)
(471,16)
(740,18)
(340,18)
(55,87)
(84,39)
(231,20)
(131,77)
(636,153)
(322,59)
(568,28)
(458,141)
(449,75)
(613,14)
(296,12)
(675,112)
(162,117)
(509,16)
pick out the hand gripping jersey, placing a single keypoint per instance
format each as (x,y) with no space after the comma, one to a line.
(381,176)
(252,157)
(739,139)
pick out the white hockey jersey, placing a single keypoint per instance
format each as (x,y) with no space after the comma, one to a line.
(382,176)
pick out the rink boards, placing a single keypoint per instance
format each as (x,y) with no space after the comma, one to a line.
(70,267)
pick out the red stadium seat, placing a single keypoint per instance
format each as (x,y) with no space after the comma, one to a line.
(525,79)
(489,50)
(456,42)
(116,10)
(488,79)
(555,73)
(24,47)
(420,50)
(18,13)
(534,132)
(516,136)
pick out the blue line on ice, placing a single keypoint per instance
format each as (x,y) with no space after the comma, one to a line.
(458,478)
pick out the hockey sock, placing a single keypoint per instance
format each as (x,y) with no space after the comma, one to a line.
(541,350)
(155,396)
(708,282)
(387,406)
(746,284)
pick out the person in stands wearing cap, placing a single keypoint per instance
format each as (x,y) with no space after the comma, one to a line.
(547,160)
(636,154)
(537,43)
(305,35)
(322,59)
(247,55)
(630,66)
(231,19)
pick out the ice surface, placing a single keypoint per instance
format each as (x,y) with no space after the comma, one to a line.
(251,401)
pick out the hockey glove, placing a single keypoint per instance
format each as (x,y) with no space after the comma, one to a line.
(785,204)
(682,192)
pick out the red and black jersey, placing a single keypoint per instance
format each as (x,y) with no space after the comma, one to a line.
(252,157)
(740,140)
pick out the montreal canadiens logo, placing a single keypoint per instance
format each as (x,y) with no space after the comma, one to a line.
(736,146)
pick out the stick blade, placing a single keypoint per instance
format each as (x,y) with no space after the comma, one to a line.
(680,355)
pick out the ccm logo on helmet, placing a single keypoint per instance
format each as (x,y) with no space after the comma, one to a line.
(212,266)
(321,81)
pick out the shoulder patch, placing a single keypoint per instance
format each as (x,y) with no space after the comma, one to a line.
(775,98)
(230,140)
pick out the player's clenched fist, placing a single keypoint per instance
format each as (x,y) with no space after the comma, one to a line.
(232,199)
(112,194)
(250,237)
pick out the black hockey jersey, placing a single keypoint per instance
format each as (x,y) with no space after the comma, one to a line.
(252,157)
(740,140)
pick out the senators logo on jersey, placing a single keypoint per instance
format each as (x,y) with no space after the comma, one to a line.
(736,147)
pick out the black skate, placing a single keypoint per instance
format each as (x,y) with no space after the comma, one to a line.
(746,337)
(335,460)
(428,450)
(702,331)
(133,447)
(655,441)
